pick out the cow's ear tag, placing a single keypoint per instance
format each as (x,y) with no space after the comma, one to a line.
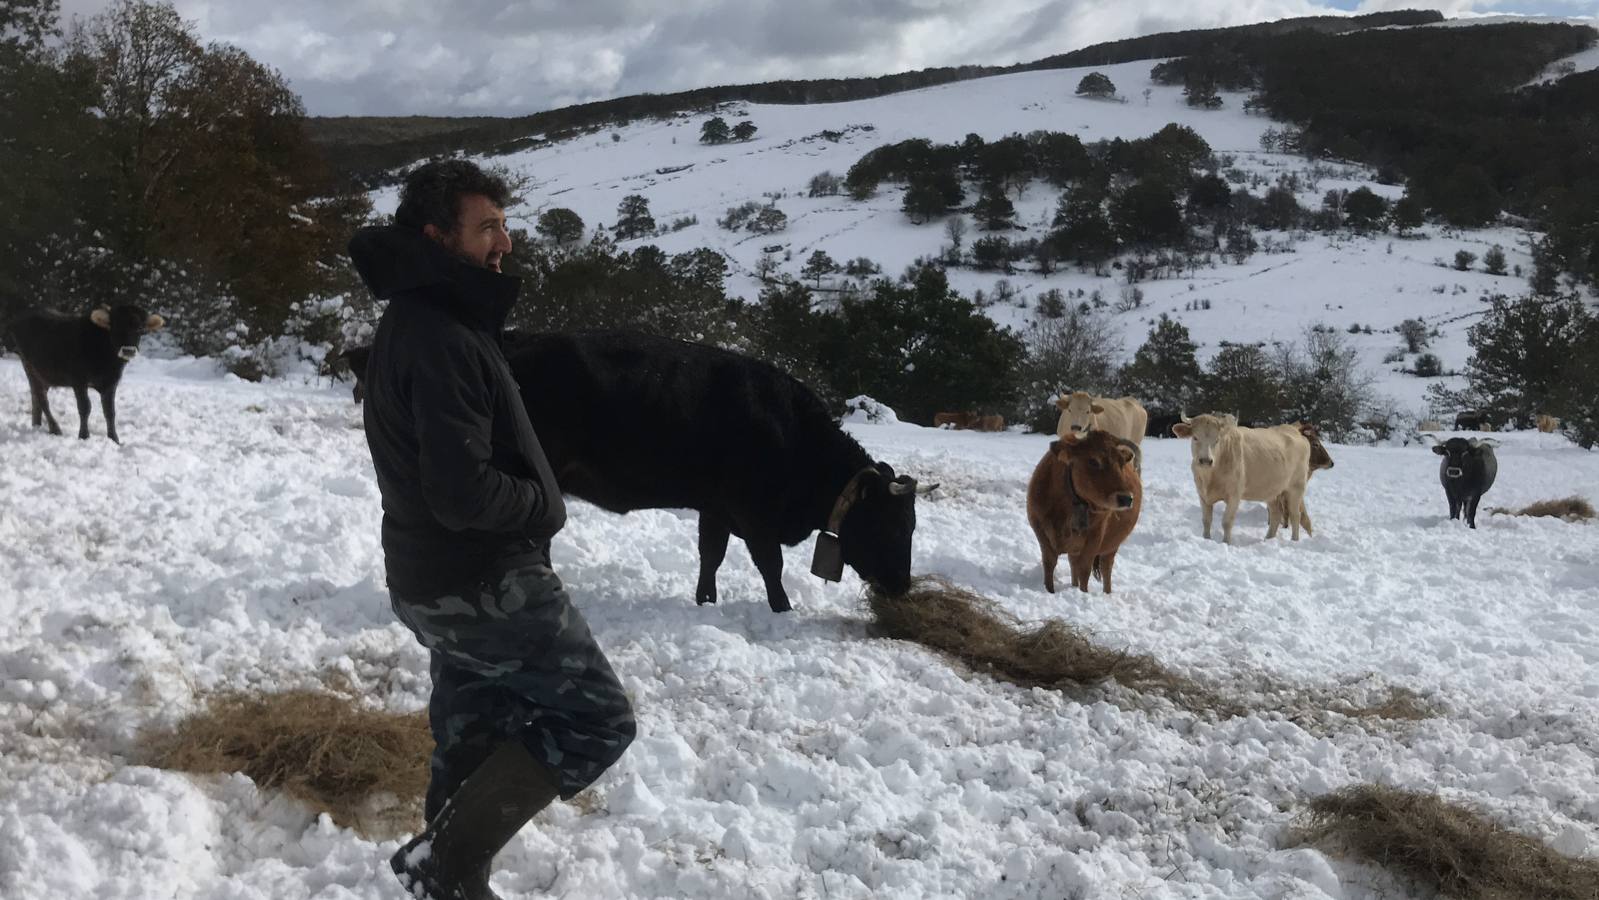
(828,563)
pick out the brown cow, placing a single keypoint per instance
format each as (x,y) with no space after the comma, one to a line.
(955,419)
(1277,511)
(1083,501)
(990,423)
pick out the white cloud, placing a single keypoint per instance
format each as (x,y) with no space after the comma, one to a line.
(511,57)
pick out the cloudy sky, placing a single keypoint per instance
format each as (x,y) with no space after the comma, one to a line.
(511,57)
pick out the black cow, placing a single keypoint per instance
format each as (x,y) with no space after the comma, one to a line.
(1160,423)
(81,353)
(1475,420)
(1467,472)
(630,421)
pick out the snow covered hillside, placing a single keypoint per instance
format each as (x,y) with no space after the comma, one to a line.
(232,541)
(1327,279)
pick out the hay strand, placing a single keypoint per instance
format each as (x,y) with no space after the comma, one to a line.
(327,750)
(1568,509)
(976,631)
(1448,847)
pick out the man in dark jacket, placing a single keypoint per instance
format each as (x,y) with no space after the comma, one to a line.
(525,706)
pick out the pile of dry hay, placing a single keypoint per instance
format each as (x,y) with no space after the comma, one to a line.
(975,630)
(1445,846)
(325,749)
(1570,509)
(987,639)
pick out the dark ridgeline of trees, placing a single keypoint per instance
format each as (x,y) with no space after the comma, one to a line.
(147,167)
(1440,108)
(367,151)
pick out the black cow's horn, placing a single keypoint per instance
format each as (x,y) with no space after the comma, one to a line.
(902,485)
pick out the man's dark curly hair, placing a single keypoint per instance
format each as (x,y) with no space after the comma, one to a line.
(432,193)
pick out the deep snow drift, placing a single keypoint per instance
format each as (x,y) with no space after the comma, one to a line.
(232,541)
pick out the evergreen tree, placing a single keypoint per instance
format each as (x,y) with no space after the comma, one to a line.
(1096,85)
(1082,231)
(1468,198)
(1364,210)
(923,202)
(994,210)
(744,130)
(1164,374)
(1494,260)
(930,349)
(769,220)
(992,252)
(715,131)
(1524,351)
(560,225)
(1146,213)
(819,266)
(633,218)
(1242,380)
(1409,214)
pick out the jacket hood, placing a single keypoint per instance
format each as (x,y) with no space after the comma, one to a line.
(394,260)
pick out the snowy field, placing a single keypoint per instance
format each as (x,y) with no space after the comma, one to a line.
(1335,280)
(232,541)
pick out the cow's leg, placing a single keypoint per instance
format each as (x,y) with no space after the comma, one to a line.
(1050,558)
(41,401)
(1107,561)
(1275,511)
(1082,570)
(36,394)
(1295,499)
(1304,518)
(1471,509)
(1454,504)
(81,391)
(1227,517)
(713,549)
(1207,511)
(108,408)
(768,556)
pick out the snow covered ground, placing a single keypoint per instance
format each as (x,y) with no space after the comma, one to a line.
(1329,280)
(232,541)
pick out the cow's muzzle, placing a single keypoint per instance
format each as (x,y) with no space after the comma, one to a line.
(126,354)
(1453,472)
(1124,501)
(1206,462)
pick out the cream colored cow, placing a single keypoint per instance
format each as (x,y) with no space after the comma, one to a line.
(1233,464)
(1081,413)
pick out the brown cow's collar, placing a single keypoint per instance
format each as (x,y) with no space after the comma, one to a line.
(1076,509)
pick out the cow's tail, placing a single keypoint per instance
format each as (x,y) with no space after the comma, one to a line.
(1099,573)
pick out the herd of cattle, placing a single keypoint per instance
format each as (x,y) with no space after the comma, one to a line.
(630,421)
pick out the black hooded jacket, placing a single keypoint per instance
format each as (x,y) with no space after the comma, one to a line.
(466,488)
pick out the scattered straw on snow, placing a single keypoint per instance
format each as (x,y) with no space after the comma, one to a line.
(977,631)
(1445,846)
(1569,509)
(366,768)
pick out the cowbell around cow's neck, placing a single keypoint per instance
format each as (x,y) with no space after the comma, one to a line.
(395,260)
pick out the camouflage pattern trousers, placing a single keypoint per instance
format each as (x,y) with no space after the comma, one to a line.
(513,659)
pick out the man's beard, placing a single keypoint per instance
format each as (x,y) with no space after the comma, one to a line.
(455,250)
